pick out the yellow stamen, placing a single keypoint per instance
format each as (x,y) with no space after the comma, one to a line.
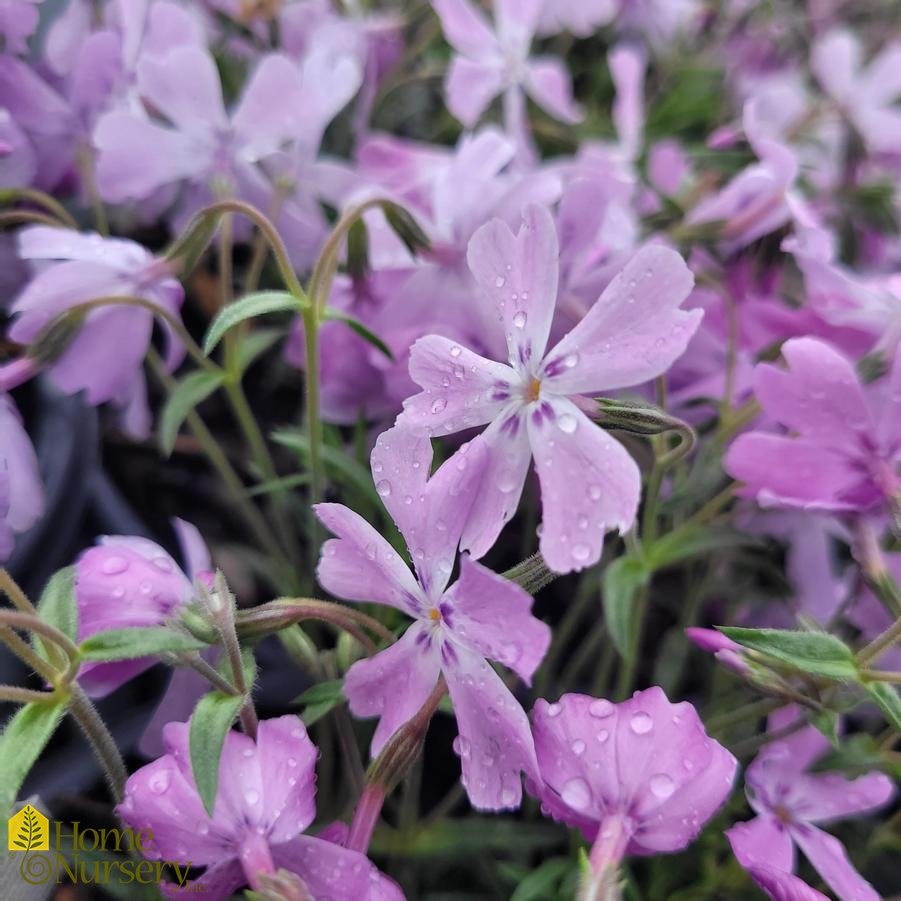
(533,390)
(434,614)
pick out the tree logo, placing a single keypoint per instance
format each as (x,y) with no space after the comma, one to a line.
(29,831)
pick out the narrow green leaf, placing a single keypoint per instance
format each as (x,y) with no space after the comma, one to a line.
(254,344)
(333,315)
(543,882)
(257,304)
(212,718)
(809,652)
(320,699)
(145,641)
(21,743)
(620,583)
(693,541)
(190,391)
(889,701)
(57,606)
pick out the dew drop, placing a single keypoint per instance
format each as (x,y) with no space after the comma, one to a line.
(383,488)
(602,736)
(456,350)
(438,404)
(252,796)
(500,281)
(567,423)
(594,492)
(163,563)
(462,747)
(508,797)
(159,782)
(576,794)
(601,708)
(662,786)
(578,747)
(641,723)
(581,552)
(553,710)
(114,565)
(519,320)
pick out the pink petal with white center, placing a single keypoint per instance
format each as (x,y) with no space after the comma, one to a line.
(493,615)
(266,115)
(781,886)
(830,860)
(471,86)
(633,333)
(517,21)
(589,484)
(835,61)
(125,168)
(763,841)
(830,796)
(331,872)
(549,83)
(819,396)
(430,512)
(395,683)
(495,743)
(360,565)
(517,274)
(184,87)
(788,472)
(460,388)
(627,66)
(466,28)
(505,467)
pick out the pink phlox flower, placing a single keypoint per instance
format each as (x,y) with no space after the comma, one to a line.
(481,615)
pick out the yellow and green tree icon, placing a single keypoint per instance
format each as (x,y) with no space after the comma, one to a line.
(28,831)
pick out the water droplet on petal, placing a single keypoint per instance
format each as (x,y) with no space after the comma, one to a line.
(519,320)
(641,723)
(581,552)
(602,736)
(576,794)
(500,281)
(252,796)
(567,423)
(383,488)
(601,708)
(438,405)
(594,492)
(163,563)
(462,747)
(159,782)
(508,797)
(553,710)
(456,350)
(114,565)
(578,747)
(662,786)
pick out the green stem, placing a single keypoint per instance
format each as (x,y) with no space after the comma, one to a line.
(13,694)
(27,655)
(89,720)
(220,462)
(11,589)
(53,206)
(880,644)
(84,157)
(202,668)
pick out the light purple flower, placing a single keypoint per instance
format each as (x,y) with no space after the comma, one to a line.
(640,777)
(589,483)
(579,17)
(482,615)
(754,203)
(18,20)
(848,442)
(266,798)
(790,803)
(21,491)
(496,61)
(867,96)
(126,582)
(106,356)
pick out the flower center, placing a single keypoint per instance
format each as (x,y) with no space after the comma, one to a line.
(533,390)
(434,614)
